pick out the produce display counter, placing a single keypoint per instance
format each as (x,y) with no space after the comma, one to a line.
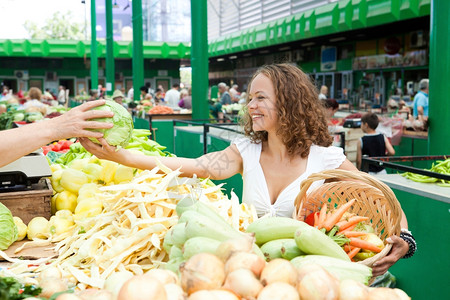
(427,207)
(426,190)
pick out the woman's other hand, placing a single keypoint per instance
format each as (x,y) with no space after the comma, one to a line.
(104,150)
(399,249)
(77,121)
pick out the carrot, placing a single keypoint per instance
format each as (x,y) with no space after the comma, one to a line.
(316,219)
(351,221)
(322,215)
(353,233)
(356,242)
(353,252)
(348,229)
(348,248)
(337,215)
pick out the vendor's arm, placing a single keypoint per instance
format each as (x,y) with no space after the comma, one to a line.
(215,165)
(358,154)
(21,141)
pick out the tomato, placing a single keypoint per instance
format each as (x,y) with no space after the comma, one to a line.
(310,218)
(46,149)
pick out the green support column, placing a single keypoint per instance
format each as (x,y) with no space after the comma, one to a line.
(94,60)
(138,56)
(199,59)
(439,107)
(109,49)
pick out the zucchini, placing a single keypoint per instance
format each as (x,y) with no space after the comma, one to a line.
(274,228)
(337,267)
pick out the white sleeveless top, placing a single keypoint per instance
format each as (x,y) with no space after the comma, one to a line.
(255,190)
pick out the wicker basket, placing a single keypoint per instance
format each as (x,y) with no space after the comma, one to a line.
(374,199)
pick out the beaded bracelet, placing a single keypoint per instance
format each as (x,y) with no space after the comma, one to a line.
(408,237)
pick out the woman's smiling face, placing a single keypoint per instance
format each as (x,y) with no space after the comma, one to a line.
(262,104)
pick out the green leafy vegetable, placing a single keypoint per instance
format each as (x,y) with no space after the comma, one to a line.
(8,229)
(120,134)
(10,289)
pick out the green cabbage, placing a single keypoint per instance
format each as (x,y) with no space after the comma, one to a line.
(8,229)
(120,134)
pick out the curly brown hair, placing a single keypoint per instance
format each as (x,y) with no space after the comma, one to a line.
(301,116)
(35,93)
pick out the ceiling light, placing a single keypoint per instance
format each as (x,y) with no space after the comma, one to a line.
(308,44)
(221,59)
(233,57)
(284,48)
(337,39)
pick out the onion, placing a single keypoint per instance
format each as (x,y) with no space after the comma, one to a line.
(350,289)
(318,285)
(66,296)
(244,260)
(203,271)
(229,247)
(174,292)
(244,283)
(52,285)
(383,293)
(402,295)
(95,294)
(213,295)
(307,269)
(116,280)
(279,291)
(279,270)
(164,276)
(142,288)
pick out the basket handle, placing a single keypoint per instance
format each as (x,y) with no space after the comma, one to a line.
(338,174)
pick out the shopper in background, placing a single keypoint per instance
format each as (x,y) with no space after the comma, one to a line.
(34,101)
(118,96)
(130,93)
(93,94)
(144,93)
(420,105)
(150,91)
(6,95)
(172,96)
(372,144)
(225,97)
(62,95)
(323,92)
(185,99)
(234,93)
(74,123)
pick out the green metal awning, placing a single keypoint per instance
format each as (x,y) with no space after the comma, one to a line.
(71,48)
(332,18)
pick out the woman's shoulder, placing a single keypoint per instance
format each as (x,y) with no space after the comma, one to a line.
(245,145)
(330,157)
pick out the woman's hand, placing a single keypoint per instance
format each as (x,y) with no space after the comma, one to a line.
(104,150)
(76,121)
(399,249)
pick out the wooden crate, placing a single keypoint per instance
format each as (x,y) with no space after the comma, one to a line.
(31,203)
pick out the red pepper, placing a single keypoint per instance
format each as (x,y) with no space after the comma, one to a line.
(310,218)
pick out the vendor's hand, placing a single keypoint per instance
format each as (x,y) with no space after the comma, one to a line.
(398,250)
(75,122)
(104,150)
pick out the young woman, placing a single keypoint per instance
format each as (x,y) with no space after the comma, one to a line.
(287,140)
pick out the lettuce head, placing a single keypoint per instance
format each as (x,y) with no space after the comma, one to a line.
(8,229)
(120,133)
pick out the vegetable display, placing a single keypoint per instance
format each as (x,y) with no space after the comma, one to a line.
(440,166)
